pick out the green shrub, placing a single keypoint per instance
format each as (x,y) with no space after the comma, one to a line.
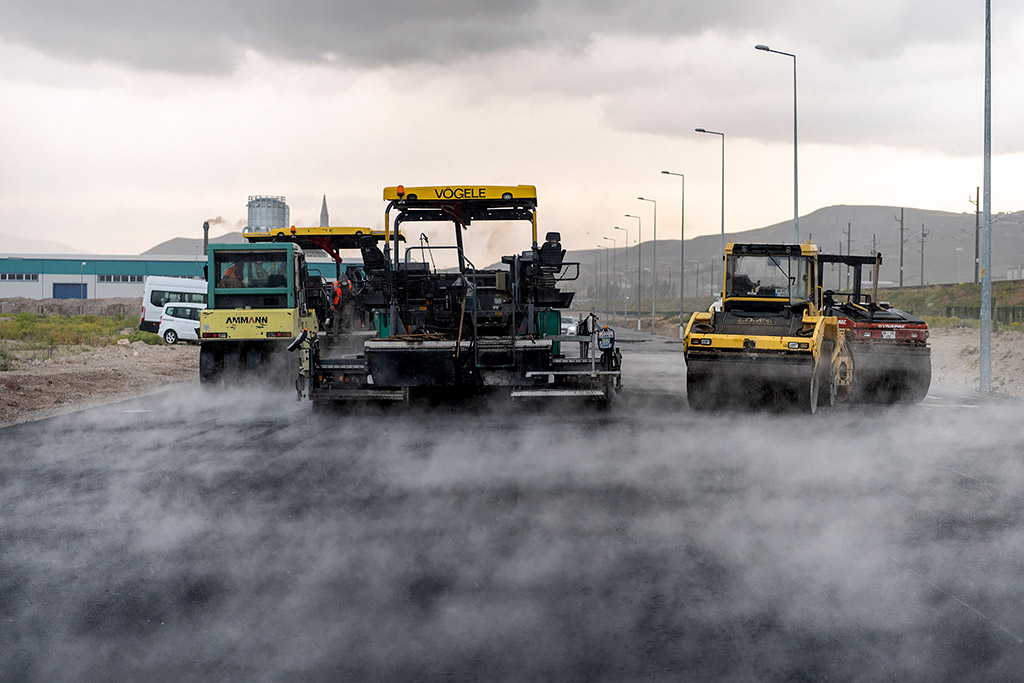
(35,331)
(147,337)
(6,360)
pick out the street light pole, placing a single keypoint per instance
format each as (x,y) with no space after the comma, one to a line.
(615,245)
(985,350)
(81,281)
(625,259)
(604,250)
(654,260)
(712,132)
(796,210)
(639,266)
(682,224)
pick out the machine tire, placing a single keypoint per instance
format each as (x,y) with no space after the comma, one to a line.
(252,361)
(171,337)
(209,368)
(231,365)
(605,402)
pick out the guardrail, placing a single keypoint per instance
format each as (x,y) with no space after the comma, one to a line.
(1002,314)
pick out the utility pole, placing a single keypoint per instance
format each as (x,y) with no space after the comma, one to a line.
(924,233)
(839,275)
(874,251)
(977,228)
(639,265)
(900,221)
(654,259)
(985,348)
(848,228)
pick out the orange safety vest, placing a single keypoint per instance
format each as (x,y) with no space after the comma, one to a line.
(338,291)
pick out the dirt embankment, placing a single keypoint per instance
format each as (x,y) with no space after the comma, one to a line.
(956,353)
(45,383)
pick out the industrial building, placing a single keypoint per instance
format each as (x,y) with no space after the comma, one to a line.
(89,276)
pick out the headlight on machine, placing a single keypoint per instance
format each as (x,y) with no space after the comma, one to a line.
(799,345)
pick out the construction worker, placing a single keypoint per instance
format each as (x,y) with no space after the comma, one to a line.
(339,304)
(232,276)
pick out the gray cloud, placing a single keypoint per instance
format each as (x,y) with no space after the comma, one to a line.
(203,37)
(879,72)
(193,36)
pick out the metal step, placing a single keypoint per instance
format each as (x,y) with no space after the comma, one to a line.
(366,395)
(554,393)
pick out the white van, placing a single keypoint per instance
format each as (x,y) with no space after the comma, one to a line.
(180,322)
(160,291)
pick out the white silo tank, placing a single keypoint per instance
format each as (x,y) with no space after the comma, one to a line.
(267,213)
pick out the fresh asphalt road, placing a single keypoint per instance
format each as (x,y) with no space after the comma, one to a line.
(238,536)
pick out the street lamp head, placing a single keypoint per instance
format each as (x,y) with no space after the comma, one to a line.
(700,130)
(641,199)
(761,47)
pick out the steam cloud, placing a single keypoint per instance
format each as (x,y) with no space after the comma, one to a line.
(240,536)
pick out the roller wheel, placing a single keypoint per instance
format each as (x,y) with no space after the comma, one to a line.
(807,395)
(917,385)
(697,393)
(830,381)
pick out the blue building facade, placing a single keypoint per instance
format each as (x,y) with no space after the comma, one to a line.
(87,276)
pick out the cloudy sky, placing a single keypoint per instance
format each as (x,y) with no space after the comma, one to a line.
(125,124)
